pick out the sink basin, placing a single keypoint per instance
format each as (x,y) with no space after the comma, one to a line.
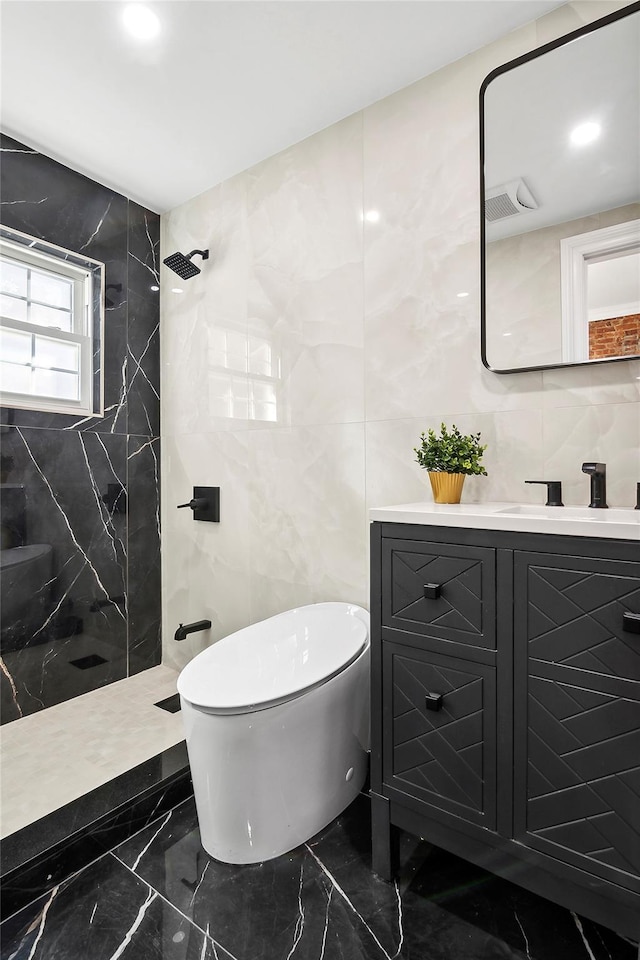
(610,515)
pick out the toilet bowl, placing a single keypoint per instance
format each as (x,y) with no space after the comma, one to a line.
(277,728)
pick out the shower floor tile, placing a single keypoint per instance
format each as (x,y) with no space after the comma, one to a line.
(160,893)
(51,758)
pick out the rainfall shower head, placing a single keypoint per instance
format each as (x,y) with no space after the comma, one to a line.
(182,265)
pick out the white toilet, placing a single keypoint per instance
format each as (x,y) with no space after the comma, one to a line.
(277,728)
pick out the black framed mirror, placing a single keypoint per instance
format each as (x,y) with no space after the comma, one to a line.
(560,201)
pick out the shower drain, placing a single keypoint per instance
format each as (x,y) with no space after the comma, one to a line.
(85,663)
(171,704)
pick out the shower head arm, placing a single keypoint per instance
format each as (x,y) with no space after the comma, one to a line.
(203,253)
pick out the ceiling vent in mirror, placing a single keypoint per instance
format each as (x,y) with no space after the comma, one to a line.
(507,200)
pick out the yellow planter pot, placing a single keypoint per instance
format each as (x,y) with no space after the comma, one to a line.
(447,487)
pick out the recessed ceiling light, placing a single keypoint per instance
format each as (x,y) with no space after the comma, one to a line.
(372,216)
(177,290)
(155,288)
(140,21)
(463,293)
(585,133)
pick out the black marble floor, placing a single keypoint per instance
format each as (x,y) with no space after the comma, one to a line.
(158,896)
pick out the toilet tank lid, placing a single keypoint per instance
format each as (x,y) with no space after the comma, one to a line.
(275,660)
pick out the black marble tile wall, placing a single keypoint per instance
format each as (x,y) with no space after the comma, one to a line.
(143,331)
(143,465)
(80,497)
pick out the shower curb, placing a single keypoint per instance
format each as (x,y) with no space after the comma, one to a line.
(38,857)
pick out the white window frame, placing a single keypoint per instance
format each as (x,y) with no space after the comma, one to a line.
(85,275)
(575,255)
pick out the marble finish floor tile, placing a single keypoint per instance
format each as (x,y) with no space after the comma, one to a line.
(321,900)
(102,913)
(76,746)
(159,896)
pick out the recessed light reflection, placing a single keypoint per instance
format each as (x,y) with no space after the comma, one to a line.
(177,290)
(155,288)
(372,216)
(585,133)
(140,21)
(506,334)
(462,294)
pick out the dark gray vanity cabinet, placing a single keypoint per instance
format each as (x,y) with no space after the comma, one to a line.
(506,708)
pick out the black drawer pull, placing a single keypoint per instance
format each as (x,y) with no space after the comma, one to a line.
(433,701)
(631,622)
(431,591)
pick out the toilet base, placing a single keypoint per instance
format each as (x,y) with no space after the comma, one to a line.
(268,781)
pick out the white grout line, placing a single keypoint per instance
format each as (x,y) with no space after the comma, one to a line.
(173,906)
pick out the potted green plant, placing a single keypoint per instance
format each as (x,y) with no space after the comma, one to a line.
(449,458)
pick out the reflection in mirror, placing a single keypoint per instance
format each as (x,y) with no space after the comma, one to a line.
(561,190)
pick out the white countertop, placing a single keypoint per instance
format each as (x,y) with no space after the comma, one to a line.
(618,523)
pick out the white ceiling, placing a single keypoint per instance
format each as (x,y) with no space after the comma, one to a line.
(226,85)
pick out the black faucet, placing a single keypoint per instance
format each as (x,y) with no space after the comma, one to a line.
(186,628)
(554,492)
(598,474)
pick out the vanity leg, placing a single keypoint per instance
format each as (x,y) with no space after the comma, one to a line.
(384,839)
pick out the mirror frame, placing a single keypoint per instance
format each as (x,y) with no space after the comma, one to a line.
(505,68)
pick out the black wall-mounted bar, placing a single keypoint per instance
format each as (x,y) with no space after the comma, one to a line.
(186,628)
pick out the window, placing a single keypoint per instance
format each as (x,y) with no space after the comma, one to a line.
(50,327)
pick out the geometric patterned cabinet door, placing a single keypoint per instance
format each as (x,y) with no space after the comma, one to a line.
(440,743)
(571,610)
(440,590)
(577,673)
(582,777)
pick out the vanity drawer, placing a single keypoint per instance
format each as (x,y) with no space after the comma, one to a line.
(440,590)
(440,731)
(580,613)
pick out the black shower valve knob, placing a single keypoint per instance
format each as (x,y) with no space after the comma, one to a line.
(196,504)
(205,504)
